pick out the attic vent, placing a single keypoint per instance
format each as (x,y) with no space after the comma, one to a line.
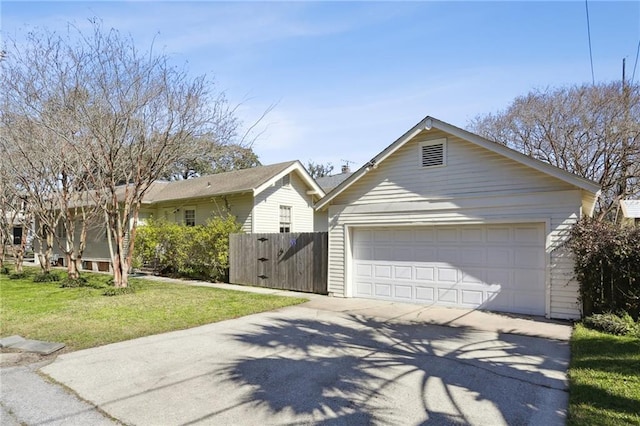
(432,153)
(286,180)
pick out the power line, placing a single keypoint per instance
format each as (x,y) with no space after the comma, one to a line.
(586,6)
(636,64)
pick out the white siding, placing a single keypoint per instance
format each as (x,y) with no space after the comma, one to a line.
(321,221)
(470,171)
(267,207)
(476,186)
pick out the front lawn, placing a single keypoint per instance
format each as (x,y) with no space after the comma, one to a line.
(604,379)
(82,317)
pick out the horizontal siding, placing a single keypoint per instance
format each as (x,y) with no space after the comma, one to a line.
(470,171)
(268,202)
(239,205)
(561,215)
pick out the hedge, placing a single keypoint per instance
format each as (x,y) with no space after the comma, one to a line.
(607,266)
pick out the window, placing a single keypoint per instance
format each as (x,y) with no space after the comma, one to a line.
(285,219)
(432,153)
(286,180)
(17,235)
(190,217)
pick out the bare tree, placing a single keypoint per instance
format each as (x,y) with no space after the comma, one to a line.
(318,170)
(592,131)
(40,136)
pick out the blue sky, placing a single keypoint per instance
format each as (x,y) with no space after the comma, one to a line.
(348,78)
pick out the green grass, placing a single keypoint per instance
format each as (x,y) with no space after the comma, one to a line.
(83,317)
(604,379)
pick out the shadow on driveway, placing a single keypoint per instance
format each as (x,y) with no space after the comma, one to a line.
(294,367)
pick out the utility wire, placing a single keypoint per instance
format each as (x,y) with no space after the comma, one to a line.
(636,64)
(593,78)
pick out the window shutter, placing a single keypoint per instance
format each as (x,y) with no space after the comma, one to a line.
(433,155)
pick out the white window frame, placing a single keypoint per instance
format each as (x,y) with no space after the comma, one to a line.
(283,224)
(441,141)
(184,216)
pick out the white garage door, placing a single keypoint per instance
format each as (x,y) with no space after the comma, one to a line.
(495,267)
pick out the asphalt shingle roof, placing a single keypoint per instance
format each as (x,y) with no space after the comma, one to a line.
(212,185)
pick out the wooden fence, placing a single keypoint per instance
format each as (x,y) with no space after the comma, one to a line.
(289,261)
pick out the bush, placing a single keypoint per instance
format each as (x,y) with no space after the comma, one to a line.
(200,252)
(46,278)
(4,271)
(73,282)
(611,323)
(18,275)
(607,266)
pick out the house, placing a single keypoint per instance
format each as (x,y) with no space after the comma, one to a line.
(445,217)
(273,198)
(629,213)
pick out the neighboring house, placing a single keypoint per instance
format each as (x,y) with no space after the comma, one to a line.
(327,183)
(629,213)
(445,217)
(273,198)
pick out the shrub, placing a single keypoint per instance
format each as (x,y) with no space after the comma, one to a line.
(18,275)
(46,278)
(73,282)
(611,323)
(607,266)
(4,271)
(189,251)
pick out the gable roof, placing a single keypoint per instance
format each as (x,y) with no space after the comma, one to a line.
(630,208)
(253,180)
(428,123)
(327,183)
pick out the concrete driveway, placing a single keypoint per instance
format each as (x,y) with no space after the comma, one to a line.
(333,361)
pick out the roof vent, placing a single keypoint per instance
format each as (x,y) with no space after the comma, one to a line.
(432,153)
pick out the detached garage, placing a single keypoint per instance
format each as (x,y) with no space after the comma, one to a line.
(445,217)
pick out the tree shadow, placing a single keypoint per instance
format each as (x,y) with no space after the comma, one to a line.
(357,370)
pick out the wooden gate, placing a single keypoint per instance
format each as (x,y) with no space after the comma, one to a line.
(288,261)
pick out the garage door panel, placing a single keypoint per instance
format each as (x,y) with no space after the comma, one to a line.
(402,272)
(424,235)
(498,267)
(447,235)
(498,256)
(472,297)
(403,291)
(364,289)
(424,293)
(448,255)
(472,235)
(447,296)
(447,275)
(383,289)
(498,235)
(382,271)
(423,254)
(528,257)
(473,256)
(425,273)
(364,270)
(473,276)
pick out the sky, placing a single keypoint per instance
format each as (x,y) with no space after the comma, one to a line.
(343,80)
